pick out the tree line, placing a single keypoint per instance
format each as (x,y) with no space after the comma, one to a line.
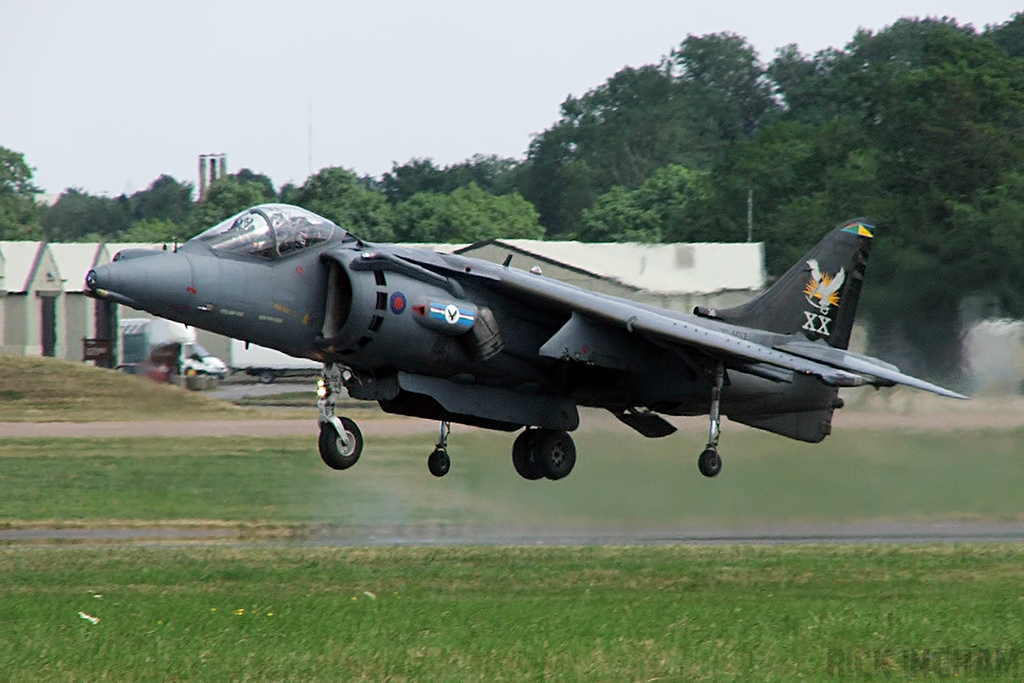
(374,210)
(919,125)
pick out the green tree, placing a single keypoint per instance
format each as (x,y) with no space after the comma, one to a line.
(165,199)
(225,197)
(673,205)
(339,195)
(491,173)
(709,94)
(616,134)
(1009,35)
(811,90)
(803,178)
(156,230)
(724,83)
(78,214)
(467,214)
(19,213)
(919,125)
(412,177)
(247,176)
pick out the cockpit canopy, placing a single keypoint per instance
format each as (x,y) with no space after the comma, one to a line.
(269,231)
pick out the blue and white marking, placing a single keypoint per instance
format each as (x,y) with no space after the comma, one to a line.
(452,314)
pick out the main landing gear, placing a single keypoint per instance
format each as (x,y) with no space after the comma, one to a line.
(341,442)
(710,463)
(536,453)
(543,453)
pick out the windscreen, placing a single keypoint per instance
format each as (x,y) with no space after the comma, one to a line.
(269,231)
(247,233)
(297,229)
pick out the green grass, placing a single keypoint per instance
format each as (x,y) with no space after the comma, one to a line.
(49,389)
(485,614)
(621,479)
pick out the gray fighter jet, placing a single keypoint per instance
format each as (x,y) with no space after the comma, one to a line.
(457,339)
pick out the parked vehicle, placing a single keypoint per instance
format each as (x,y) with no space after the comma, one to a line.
(161,350)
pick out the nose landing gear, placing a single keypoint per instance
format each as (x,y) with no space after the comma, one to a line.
(340,450)
(341,442)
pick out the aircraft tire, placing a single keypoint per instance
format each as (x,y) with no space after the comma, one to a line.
(709,463)
(439,463)
(522,456)
(555,453)
(333,452)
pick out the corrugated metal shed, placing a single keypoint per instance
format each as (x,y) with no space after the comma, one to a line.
(668,269)
(19,261)
(75,260)
(685,268)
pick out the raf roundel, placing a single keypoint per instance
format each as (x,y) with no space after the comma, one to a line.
(397,303)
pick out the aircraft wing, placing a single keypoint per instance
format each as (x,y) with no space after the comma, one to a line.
(839,369)
(882,373)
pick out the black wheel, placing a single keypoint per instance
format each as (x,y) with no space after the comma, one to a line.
(333,451)
(522,456)
(439,463)
(555,453)
(267,377)
(709,463)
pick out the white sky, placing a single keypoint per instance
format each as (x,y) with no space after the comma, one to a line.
(106,95)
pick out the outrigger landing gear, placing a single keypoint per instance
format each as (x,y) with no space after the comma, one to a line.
(341,442)
(710,463)
(439,463)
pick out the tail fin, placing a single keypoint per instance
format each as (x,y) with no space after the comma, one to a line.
(818,296)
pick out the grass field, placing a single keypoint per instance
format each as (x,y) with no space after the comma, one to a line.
(485,614)
(278,611)
(621,479)
(49,389)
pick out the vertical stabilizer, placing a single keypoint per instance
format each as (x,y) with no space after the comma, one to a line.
(818,296)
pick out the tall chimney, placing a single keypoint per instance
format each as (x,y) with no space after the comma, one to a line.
(202,177)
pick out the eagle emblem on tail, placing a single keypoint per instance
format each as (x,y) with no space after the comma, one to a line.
(822,290)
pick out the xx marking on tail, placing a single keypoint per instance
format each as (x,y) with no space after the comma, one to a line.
(817,323)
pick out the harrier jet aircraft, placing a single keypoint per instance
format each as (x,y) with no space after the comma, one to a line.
(457,339)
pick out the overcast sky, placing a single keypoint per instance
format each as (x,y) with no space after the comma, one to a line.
(106,95)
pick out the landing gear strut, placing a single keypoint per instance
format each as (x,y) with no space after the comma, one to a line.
(710,463)
(547,453)
(341,442)
(439,463)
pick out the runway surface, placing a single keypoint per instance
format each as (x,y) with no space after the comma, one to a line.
(971,416)
(443,535)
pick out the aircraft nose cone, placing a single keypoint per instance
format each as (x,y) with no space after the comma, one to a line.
(157,283)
